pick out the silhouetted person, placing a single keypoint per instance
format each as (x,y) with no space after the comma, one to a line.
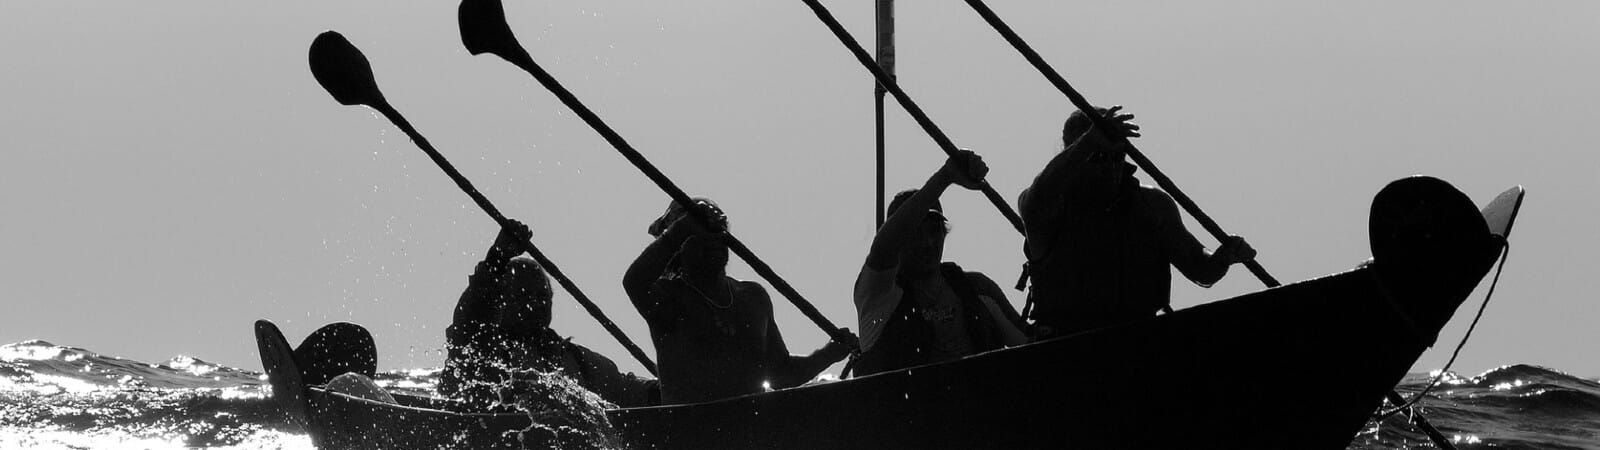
(502,325)
(915,309)
(715,336)
(1099,243)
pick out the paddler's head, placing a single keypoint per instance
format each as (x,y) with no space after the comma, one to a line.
(926,248)
(525,306)
(1077,123)
(1105,164)
(701,254)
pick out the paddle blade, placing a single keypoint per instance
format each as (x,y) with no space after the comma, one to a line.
(484,29)
(341,69)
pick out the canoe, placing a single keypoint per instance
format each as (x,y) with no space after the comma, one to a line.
(1227,374)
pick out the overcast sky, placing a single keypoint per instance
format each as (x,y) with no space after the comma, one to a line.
(172,171)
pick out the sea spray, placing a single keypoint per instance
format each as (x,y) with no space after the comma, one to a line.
(564,414)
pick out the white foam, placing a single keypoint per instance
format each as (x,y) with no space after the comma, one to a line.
(34,350)
(19,438)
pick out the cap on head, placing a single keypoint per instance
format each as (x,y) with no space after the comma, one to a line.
(675,211)
(525,273)
(1078,123)
(528,288)
(900,198)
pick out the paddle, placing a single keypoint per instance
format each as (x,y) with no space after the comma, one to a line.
(343,70)
(888,83)
(484,30)
(1100,122)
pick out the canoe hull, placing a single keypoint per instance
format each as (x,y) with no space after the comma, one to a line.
(1230,374)
(1235,373)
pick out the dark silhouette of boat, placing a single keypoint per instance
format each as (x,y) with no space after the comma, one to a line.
(1227,374)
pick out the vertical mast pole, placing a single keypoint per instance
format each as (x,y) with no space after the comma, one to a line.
(885,15)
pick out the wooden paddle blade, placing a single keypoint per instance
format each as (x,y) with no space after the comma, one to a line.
(1501,212)
(341,69)
(484,29)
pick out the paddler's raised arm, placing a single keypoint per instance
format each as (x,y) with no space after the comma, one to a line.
(967,169)
(650,265)
(512,241)
(674,228)
(1079,143)
(475,304)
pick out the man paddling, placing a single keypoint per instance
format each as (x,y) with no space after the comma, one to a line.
(502,325)
(715,336)
(1099,243)
(915,309)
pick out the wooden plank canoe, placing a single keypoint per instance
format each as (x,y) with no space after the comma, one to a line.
(1229,374)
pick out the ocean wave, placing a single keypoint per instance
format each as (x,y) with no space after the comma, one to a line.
(1509,407)
(1524,388)
(1525,373)
(38,365)
(54,396)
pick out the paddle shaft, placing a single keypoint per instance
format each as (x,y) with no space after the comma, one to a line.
(523,60)
(483,203)
(1421,422)
(888,83)
(1101,123)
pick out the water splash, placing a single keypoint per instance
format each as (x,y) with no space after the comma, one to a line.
(564,414)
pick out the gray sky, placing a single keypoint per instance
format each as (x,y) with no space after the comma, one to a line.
(173,172)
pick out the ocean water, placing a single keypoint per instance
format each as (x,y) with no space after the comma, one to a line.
(57,397)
